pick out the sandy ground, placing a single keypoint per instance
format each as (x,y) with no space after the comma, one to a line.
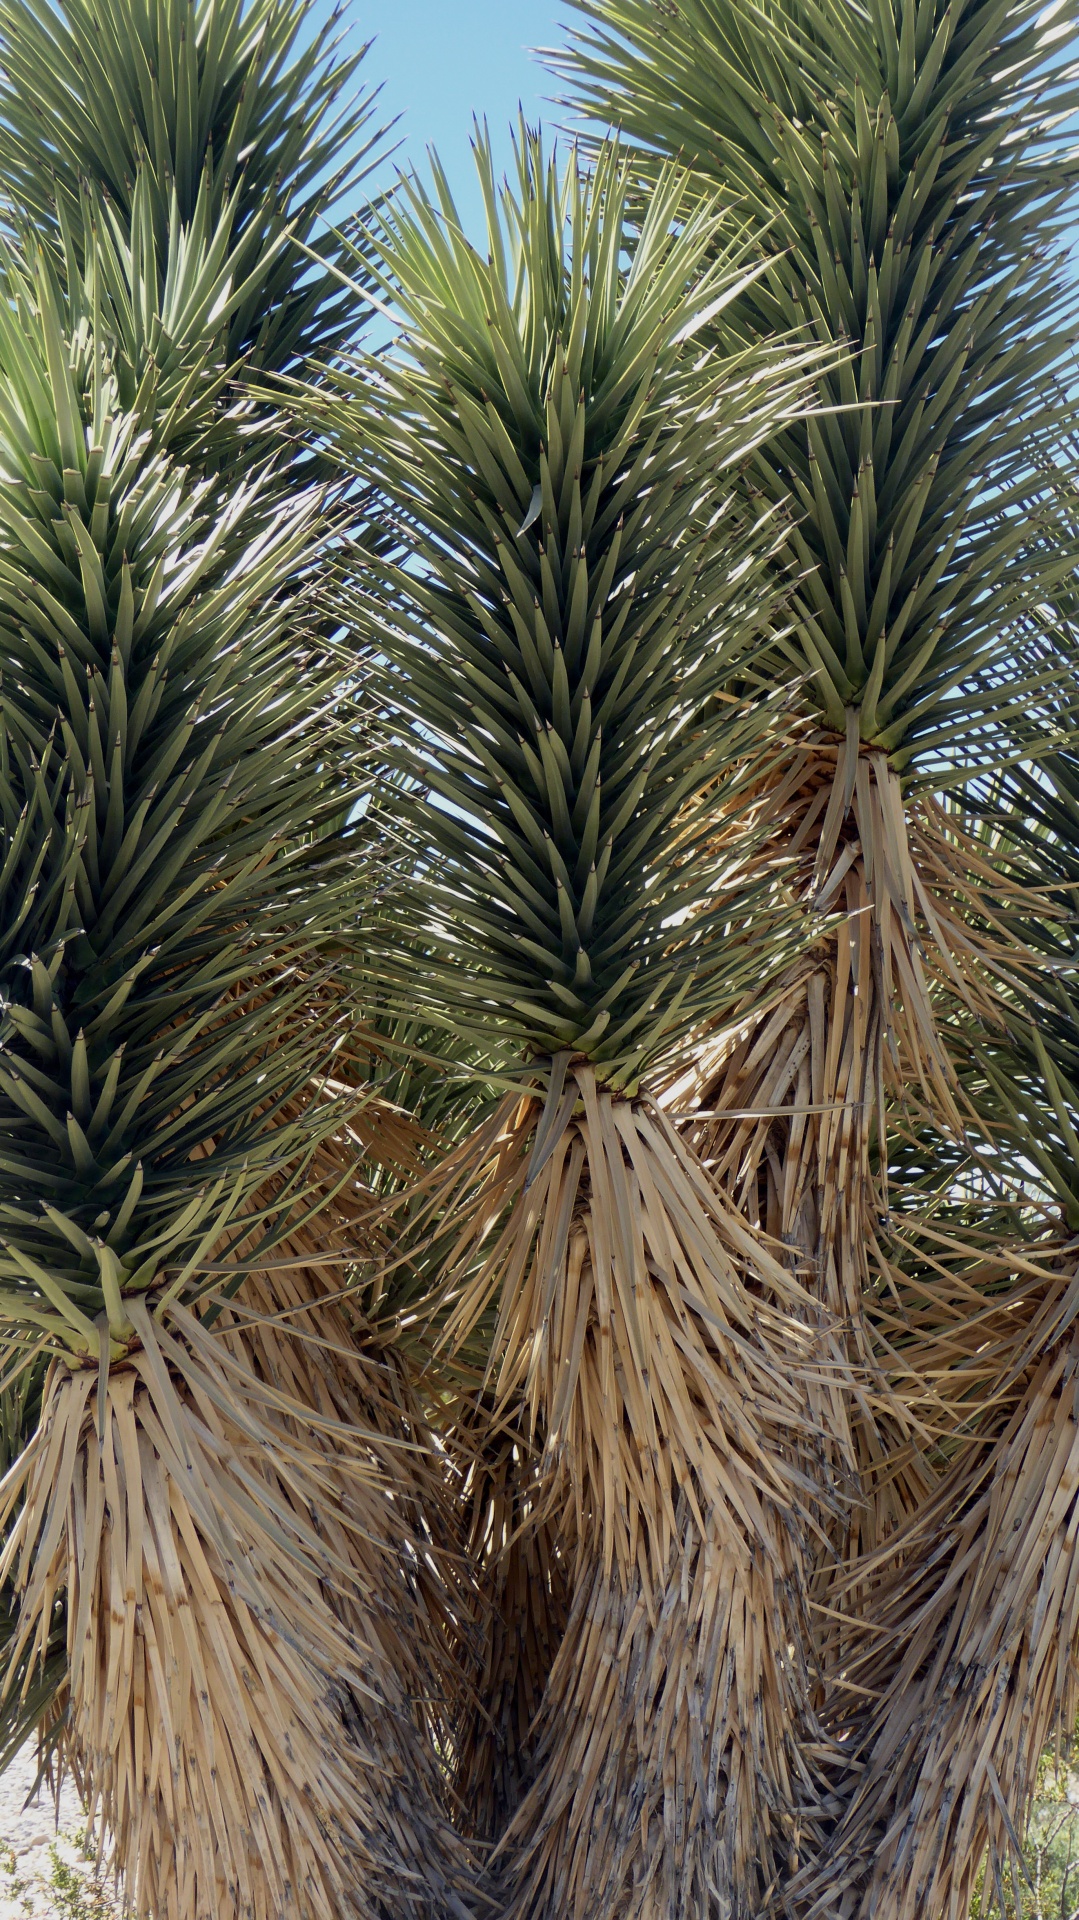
(46,1870)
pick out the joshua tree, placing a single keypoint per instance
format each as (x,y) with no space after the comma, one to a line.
(708,660)
(207,1487)
(912,166)
(577,585)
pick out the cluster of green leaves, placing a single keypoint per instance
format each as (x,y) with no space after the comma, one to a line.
(175,764)
(195,124)
(576,585)
(1024,1081)
(164,726)
(160,322)
(173,777)
(1017,804)
(912,164)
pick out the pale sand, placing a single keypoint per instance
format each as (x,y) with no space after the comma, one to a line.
(44,1872)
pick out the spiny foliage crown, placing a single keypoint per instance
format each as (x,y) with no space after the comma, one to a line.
(223,116)
(574,588)
(913,164)
(169,870)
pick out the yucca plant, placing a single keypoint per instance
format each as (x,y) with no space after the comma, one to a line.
(908,164)
(577,587)
(166,322)
(236,121)
(913,166)
(242,1679)
(171,881)
(966,1673)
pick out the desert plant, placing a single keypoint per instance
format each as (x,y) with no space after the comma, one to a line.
(180,751)
(577,588)
(172,879)
(912,168)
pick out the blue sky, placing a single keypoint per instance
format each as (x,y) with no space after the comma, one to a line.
(442,60)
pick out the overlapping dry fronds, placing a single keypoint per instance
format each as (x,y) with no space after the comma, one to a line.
(786,1103)
(235,1701)
(573,593)
(682,1392)
(667,1757)
(305,1328)
(520,1560)
(955,1660)
(627,1288)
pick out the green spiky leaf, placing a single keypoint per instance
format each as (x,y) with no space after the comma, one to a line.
(575,589)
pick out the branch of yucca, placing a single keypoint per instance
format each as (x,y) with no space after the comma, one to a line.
(231,125)
(577,588)
(174,882)
(914,167)
(793,1106)
(950,1646)
(678,1386)
(181,1088)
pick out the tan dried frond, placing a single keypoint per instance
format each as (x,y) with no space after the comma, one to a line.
(790,1109)
(678,1749)
(958,1660)
(234,1584)
(313,1322)
(353,1386)
(854,1023)
(686,1399)
(633,1301)
(521,1562)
